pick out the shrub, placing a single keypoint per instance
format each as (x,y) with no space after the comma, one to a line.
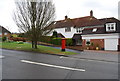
(46,39)
(69,42)
(56,41)
(18,39)
(0,39)
(4,38)
(54,34)
(20,42)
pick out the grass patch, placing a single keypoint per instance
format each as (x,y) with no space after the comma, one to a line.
(27,47)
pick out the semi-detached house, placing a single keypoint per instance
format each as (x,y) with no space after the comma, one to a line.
(104,33)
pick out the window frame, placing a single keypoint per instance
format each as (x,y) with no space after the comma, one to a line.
(67,29)
(110,27)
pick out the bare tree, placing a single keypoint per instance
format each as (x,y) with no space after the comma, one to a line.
(34,18)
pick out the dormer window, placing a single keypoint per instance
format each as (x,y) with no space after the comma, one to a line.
(110,27)
(94,30)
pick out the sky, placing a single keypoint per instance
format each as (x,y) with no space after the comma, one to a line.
(71,8)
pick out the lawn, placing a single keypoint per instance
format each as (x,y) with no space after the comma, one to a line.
(27,47)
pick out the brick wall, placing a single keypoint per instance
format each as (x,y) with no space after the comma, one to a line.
(96,42)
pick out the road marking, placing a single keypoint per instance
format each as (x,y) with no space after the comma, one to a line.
(55,66)
(1,57)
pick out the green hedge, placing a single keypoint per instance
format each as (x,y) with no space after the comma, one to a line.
(55,41)
(46,39)
(69,42)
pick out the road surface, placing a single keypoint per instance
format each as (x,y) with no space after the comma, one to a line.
(29,65)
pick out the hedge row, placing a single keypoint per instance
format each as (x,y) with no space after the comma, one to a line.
(18,39)
(56,41)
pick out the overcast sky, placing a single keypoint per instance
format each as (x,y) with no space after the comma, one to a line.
(72,8)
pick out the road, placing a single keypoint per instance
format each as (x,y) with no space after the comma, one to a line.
(29,65)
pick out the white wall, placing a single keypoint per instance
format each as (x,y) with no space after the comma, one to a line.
(101,36)
(65,34)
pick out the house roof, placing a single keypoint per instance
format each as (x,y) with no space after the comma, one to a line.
(102,30)
(64,23)
(99,30)
(111,19)
(86,21)
(4,30)
(77,22)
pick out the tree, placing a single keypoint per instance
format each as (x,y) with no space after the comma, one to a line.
(34,18)
(54,34)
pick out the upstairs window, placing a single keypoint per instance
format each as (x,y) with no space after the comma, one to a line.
(68,29)
(111,27)
(79,30)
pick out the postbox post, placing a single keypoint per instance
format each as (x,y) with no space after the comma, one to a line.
(63,41)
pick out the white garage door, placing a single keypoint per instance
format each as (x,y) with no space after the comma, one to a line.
(111,44)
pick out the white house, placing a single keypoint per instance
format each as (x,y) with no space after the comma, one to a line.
(104,33)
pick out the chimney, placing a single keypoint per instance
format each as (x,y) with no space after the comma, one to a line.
(91,13)
(66,17)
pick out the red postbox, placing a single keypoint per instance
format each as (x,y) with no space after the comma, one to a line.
(63,44)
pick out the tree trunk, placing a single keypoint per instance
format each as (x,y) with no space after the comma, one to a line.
(35,44)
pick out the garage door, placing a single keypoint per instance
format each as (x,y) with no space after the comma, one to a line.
(111,44)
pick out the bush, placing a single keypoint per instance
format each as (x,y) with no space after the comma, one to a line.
(20,42)
(4,38)
(0,39)
(18,39)
(46,39)
(69,42)
(56,41)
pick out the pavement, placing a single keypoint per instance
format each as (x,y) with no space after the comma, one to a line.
(99,55)
(96,55)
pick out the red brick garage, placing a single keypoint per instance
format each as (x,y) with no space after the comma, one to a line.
(95,42)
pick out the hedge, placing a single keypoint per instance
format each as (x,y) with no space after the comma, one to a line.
(55,41)
(18,39)
(46,39)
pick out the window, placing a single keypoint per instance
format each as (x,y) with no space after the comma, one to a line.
(94,30)
(78,42)
(110,26)
(79,30)
(0,33)
(87,41)
(55,22)
(5,33)
(68,29)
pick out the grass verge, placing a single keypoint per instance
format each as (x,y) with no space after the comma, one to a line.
(27,47)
